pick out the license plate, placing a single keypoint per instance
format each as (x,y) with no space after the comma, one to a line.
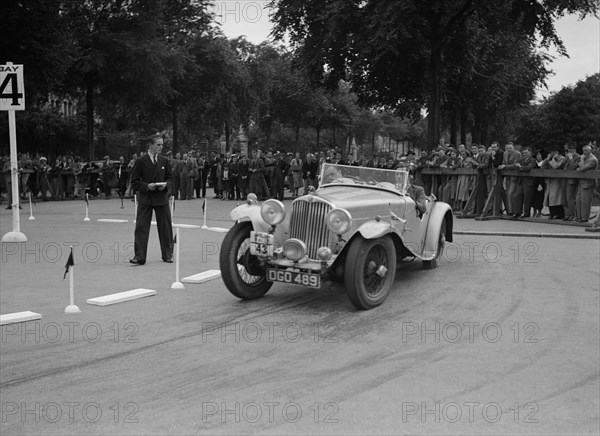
(261,244)
(294,277)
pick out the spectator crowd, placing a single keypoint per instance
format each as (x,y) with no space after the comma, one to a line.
(233,175)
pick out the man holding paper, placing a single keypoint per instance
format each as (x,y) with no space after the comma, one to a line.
(151,179)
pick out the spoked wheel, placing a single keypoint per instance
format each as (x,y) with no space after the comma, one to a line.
(241,271)
(431,264)
(370,271)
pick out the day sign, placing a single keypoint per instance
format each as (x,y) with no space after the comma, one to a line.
(12,90)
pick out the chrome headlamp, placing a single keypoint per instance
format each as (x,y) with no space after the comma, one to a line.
(272,211)
(339,221)
(294,249)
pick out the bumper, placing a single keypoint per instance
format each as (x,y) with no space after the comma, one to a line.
(262,245)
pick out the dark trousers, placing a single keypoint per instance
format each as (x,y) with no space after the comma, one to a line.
(482,191)
(277,186)
(197,185)
(106,178)
(557,211)
(528,196)
(184,188)
(234,190)
(203,184)
(175,186)
(142,230)
(122,184)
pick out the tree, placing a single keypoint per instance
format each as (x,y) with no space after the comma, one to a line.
(571,115)
(396,53)
(33,34)
(131,53)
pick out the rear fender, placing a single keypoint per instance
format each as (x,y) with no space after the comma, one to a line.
(438,212)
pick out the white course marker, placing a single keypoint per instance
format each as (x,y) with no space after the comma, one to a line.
(186,226)
(121,297)
(11,318)
(112,220)
(203,276)
(217,229)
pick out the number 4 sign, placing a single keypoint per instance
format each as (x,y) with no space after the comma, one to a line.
(12,98)
(12,90)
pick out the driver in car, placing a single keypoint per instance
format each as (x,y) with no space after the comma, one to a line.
(331,174)
(416,192)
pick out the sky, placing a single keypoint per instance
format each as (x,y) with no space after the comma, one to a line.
(581,39)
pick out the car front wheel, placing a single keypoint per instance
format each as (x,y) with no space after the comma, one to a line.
(370,271)
(241,271)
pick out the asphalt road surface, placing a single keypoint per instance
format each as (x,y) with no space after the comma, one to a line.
(501,338)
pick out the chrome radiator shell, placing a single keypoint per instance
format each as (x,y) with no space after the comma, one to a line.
(307,223)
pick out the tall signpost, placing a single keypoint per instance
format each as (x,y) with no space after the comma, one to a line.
(12,98)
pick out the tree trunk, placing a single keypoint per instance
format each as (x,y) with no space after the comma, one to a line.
(476,129)
(318,129)
(463,125)
(227,139)
(89,114)
(453,128)
(373,143)
(333,132)
(435,99)
(175,118)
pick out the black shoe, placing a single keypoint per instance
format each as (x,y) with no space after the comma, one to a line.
(168,259)
(136,261)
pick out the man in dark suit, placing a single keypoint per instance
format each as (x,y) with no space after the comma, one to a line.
(405,179)
(152,178)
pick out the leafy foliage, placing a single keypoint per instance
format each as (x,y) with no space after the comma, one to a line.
(571,115)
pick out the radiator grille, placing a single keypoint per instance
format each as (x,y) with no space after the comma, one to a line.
(308,224)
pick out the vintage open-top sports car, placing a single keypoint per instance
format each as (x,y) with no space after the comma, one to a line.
(357,226)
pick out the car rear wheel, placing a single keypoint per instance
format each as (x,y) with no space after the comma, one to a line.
(431,264)
(241,271)
(370,271)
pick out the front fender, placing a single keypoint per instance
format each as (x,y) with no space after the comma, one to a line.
(374,229)
(250,212)
(438,212)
